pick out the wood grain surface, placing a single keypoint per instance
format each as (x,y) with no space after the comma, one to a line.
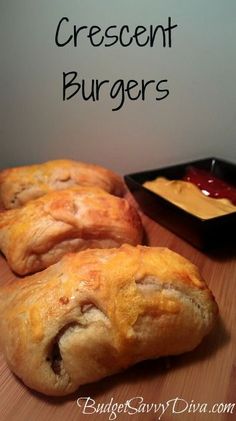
(205,377)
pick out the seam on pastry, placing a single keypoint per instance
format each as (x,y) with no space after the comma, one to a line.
(16,199)
(91,314)
(63,178)
(54,355)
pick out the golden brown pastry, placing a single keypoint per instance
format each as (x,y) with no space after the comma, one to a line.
(97,312)
(38,234)
(21,184)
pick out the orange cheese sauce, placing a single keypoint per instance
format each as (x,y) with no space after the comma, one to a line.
(188,197)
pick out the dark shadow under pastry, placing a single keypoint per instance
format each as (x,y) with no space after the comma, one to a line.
(21,184)
(38,234)
(96,312)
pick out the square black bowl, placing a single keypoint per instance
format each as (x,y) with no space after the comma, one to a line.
(204,234)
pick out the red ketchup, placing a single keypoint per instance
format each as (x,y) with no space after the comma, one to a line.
(210,185)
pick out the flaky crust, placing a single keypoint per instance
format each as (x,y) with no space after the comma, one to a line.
(21,184)
(97,312)
(38,234)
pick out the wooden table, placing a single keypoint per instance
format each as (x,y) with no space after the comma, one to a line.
(204,376)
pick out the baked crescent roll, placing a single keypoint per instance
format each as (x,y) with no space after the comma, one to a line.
(38,234)
(21,184)
(96,312)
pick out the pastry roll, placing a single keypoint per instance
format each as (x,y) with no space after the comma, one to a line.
(38,234)
(96,312)
(21,184)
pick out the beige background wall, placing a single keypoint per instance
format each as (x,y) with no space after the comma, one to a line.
(197,119)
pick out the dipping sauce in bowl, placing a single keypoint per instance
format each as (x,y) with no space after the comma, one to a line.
(210,185)
(205,224)
(188,197)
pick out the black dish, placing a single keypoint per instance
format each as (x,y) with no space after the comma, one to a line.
(202,233)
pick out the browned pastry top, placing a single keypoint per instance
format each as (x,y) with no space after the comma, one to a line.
(21,184)
(38,234)
(98,311)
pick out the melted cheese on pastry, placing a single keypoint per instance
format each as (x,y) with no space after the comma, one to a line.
(96,312)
